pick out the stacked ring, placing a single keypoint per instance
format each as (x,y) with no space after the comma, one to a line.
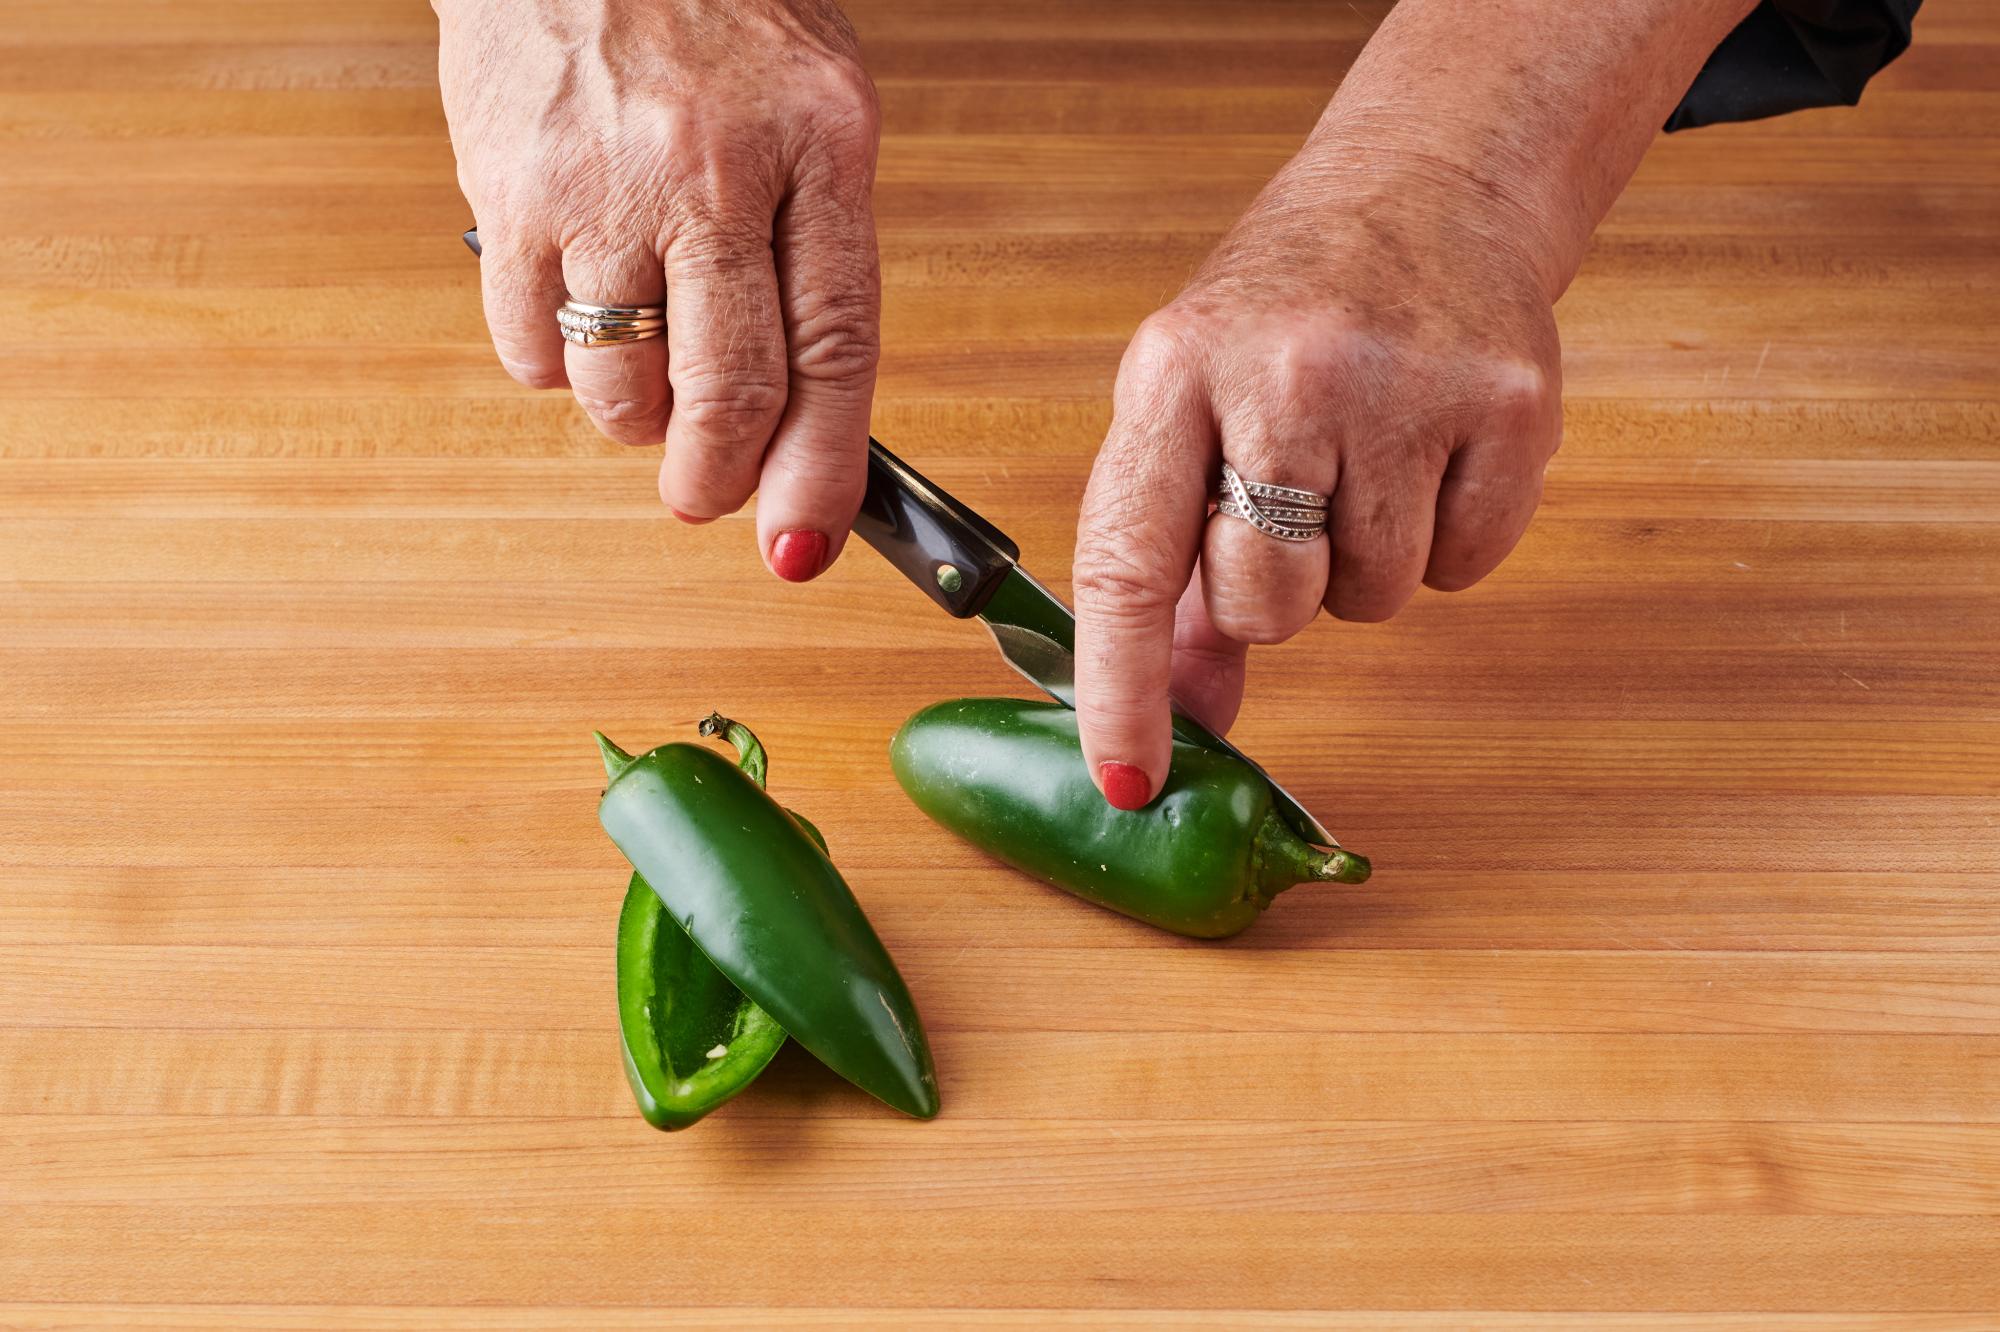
(1284,512)
(588,325)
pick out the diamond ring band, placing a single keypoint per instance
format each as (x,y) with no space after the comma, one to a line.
(587,325)
(1284,512)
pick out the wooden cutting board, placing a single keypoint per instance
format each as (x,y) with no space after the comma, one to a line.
(1676,995)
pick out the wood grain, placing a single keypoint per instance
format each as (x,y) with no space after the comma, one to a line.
(1674,1004)
(534,1318)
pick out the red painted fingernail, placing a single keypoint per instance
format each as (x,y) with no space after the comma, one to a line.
(797,556)
(1125,786)
(690,518)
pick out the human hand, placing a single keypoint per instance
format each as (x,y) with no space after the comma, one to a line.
(719,156)
(1376,328)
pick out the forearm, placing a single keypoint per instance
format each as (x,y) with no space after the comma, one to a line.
(1542,107)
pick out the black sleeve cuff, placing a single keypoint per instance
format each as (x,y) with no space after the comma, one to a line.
(1793,54)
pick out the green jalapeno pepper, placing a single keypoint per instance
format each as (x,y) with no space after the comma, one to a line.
(750,884)
(692,1040)
(1203,859)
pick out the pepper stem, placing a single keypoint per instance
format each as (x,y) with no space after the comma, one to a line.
(749,750)
(616,760)
(1284,859)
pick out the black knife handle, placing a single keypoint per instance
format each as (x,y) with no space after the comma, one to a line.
(955,557)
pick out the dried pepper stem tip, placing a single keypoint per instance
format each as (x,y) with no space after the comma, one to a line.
(1338,866)
(749,750)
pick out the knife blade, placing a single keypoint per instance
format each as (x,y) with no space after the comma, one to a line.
(972,569)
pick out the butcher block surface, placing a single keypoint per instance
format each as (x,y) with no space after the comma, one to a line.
(1674,1002)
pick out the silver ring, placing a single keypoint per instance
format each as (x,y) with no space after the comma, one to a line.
(1284,512)
(589,325)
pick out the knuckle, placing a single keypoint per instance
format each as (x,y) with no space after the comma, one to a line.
(533,372)
(838,341)
(619,411)
(1133,466)
(1488,496)
(1306,366)
(738,193)
(614,411)
(1117,578)
(1161,349)
(1303,358)
(740,411)
(721,183)
(1474,548)
(670,145)
(507,199)
(1252,624)
(1246,604)
(1114,722)
(721,238)
(704,494)
(847,107)
(832,470)
(518,300)
(1546,439)
(1521,393)
(1372,593)
(1389,529)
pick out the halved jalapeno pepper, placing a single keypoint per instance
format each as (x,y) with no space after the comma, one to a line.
(750,884)
(692,1040)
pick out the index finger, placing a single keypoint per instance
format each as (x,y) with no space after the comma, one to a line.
(1135,547)
(830,287)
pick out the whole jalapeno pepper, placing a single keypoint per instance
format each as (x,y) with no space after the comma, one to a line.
(750,883)
(1203,859)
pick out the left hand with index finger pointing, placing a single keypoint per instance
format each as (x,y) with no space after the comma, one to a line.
(1378,328)
(1360,334)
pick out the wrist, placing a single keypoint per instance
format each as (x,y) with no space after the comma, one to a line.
(1538,111)
(1483,199)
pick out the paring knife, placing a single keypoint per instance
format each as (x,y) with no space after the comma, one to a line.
(972,569)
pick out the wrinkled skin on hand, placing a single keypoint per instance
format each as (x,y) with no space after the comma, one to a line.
(1376,327)
(719,156)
